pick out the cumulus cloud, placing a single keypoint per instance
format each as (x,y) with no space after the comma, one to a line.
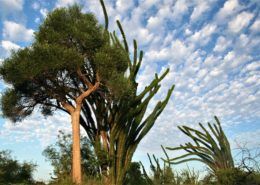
(241,21)
(37,127)
(230,8)
(203,36)
(179,9)
(250,139)
(255,26)
(17,32)
(12,4)
(199,9)
(8,45)
(35,5)
(44,12)
(222,44)
(64,3)
(154,22)
(122,6)
(10,7)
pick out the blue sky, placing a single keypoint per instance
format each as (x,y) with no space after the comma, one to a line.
(211,48)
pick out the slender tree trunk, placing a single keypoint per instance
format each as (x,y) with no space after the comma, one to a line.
(75,120)
(76,157)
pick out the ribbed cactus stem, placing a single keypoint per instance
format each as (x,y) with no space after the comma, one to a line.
(210,147)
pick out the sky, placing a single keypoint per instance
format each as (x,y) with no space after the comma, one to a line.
(210,46)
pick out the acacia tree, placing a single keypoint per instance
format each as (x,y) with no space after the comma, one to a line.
(63,66)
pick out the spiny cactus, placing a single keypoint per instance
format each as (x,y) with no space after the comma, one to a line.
(127,124)
(119,123)
(210,146)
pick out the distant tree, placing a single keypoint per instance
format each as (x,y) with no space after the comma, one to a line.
(12,171)
(134,175)
(59,155)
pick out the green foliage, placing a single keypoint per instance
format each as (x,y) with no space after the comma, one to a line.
(69,49)
(87,180)
(11,171)
(160,175)
(111,62)
(236,176)
(41,60)
(213,148)
(59,154)
(71,28)
(10,98)
(165,175)
(135,176)
(189,177)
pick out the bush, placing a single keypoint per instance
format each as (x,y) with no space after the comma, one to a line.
(13,172)
(59,154)
(237,177)
(67,180)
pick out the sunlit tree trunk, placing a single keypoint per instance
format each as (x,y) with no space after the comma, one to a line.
(76,157)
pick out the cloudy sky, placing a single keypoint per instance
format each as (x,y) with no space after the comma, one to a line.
(211,48)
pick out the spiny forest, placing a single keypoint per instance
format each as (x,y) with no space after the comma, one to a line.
(80,67)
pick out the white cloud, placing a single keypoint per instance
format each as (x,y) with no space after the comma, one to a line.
(17,32)
(37,127)
(10,6)
(222,44)
(64,3)
(180,8)
(44,12)
(176,52)
(122,6)
(241,21)
(37,20)
(251,139)
(230,8)
(255,26)
(232,60)
(253,66)
(203,36)
(154,23)
(199,9)
(8,46)
(252,79)
(35,5)
(188,32)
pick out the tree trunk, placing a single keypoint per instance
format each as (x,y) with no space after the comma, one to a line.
(76,157)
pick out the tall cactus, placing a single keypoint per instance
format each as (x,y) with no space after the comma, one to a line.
(127,123)
(120,124)
(210,147)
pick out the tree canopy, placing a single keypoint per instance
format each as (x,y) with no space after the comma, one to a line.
(11,171)
(70,50)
